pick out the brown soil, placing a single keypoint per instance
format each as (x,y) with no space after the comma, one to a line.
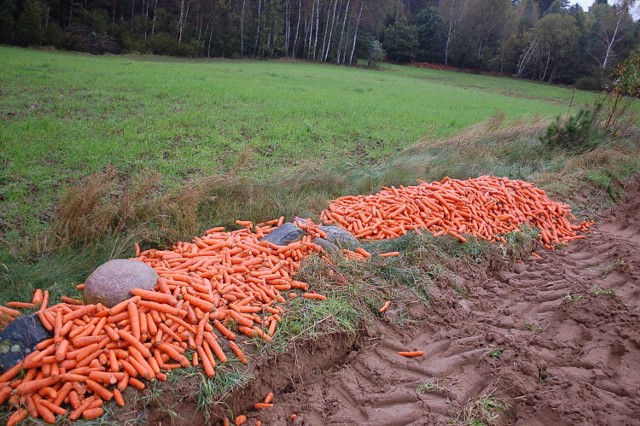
(544,336)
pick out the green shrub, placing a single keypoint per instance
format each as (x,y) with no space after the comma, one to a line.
(576,133)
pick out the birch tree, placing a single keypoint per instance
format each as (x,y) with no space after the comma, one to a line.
(611,26)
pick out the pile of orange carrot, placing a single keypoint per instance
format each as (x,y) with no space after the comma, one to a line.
(486,207)
(95,353)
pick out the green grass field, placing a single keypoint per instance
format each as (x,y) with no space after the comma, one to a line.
(67,115)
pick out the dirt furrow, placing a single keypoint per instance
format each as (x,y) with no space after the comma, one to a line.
(551,340)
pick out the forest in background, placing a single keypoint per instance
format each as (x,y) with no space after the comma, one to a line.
(543,40)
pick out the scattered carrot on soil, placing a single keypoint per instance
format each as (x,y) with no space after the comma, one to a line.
(411,354)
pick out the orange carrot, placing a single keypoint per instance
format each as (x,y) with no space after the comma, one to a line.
(122,306)
(215,347)
(162,308)
(71,301)
(389,254)
(135,343)
(17,417)
(117,396)
(8,311)
(174,354)
(314,296)
(99,390)
(11,372)
(54,408)
(411,354)
(21,305)
(206,363)
(136,383)
(224,330)
(5,392)
(37,297)
(36,385)
(155,296)
(92,413)
(61,351)
(385,306)
(238,352)
(134,317)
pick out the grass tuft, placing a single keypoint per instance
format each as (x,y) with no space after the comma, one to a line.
(486,410)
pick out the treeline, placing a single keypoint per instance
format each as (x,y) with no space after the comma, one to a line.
(546,40)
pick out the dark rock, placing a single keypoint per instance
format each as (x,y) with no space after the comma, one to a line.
(19,339)
(340,237)
(327,245)
(284,234)
(111,282)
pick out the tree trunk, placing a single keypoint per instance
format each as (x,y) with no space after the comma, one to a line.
(295,42)
(70,12)
(206,31)
(333,22)
(180,22)
(526,56)
(344,24)
(287,27)
(355,35)
(446,46)
(46,19)
(613,39)
(210,38)
(133,6)
(309,39)
(315,43)
(242,28)
(543,74)
(326,31)
(146,17)
(155,14)
(255,44)
(199,23)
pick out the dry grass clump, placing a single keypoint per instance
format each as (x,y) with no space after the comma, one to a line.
(104,204)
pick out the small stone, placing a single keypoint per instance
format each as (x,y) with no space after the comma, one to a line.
(326,245)
(284,234)
(340,237)
(464,305)
(111,282)
(20,338)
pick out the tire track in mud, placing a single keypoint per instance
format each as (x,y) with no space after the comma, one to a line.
(557,339)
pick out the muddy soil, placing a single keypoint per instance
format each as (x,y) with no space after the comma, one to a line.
(556,340)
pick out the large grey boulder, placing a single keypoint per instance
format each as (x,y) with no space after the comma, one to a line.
(111,282)
(19,339)
(284,234)
(340,237)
